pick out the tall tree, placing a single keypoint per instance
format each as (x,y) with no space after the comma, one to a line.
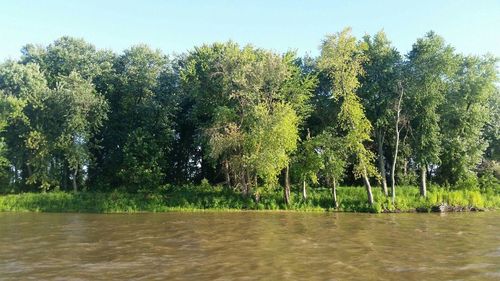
(399,125)
(492,128)
(249,103)
(79,111)
(138,134)
(66,55)
(342,59)
(465,113)
(430,62)
(334,153)
(10,108)
(378,92)
(27,154)
(307,163)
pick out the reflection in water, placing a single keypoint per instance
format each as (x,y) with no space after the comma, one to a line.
(250,246)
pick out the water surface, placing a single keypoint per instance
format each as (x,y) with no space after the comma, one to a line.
(250,246)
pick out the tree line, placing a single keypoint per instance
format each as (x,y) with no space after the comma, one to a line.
(74,117)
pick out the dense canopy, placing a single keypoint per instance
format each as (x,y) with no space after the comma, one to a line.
(73,117)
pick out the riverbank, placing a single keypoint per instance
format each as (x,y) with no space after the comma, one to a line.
(207,198)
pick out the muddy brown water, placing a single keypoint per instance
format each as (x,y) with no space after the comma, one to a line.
(250,246)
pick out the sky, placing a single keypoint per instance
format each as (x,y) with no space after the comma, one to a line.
(472,27)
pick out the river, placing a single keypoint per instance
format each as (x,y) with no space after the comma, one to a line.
(250,246)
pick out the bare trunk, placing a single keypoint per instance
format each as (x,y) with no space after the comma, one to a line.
(334,194)
(226,171)
(396,147)
(287,185)
(381,161)
(75,188)
(368,187)
(304,190)
(393,168)
(249,184)
(423,180)
(30,172)
(235,180)
(14,179)
(244,183)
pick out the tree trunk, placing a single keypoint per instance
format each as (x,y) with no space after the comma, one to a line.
(381,161)
(334,194)
(75,188)
(393,168)
(396,147)
(249,184)
(66,175)
(235,180)
(226,171)
(244,183)
(304,190)
(30,172)
(368,187)
(423,180)
(287,185)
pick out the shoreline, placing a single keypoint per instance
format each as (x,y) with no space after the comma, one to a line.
(181,210)
(199,199)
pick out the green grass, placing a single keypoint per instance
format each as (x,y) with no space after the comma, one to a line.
(207,198)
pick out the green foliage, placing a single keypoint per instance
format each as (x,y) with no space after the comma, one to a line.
(75,117)
(250,103)
(333,153)
(489,179)
(142,158)
(378,84)
(492,127)
(307,162)
(465,114)
(9,108)
(83,112)
(66,55)
(138,134)
(342,60)
(215,198)
(272,137)
(429,62)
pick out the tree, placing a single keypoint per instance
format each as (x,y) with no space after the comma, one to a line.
(249,103)
(136,139)
(10,108)
(397,131)
(334,153)
(430,62)
(378,92)
(58,61)
(465,114)
(307,162)
(492,128)
(28,152)
(272,137)
(81,111)
(73,116)
(66,55)
(342,59)
(205,103)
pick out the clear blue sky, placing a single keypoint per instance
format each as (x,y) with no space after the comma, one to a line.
(472,27)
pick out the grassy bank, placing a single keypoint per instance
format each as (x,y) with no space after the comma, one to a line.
(195,198)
